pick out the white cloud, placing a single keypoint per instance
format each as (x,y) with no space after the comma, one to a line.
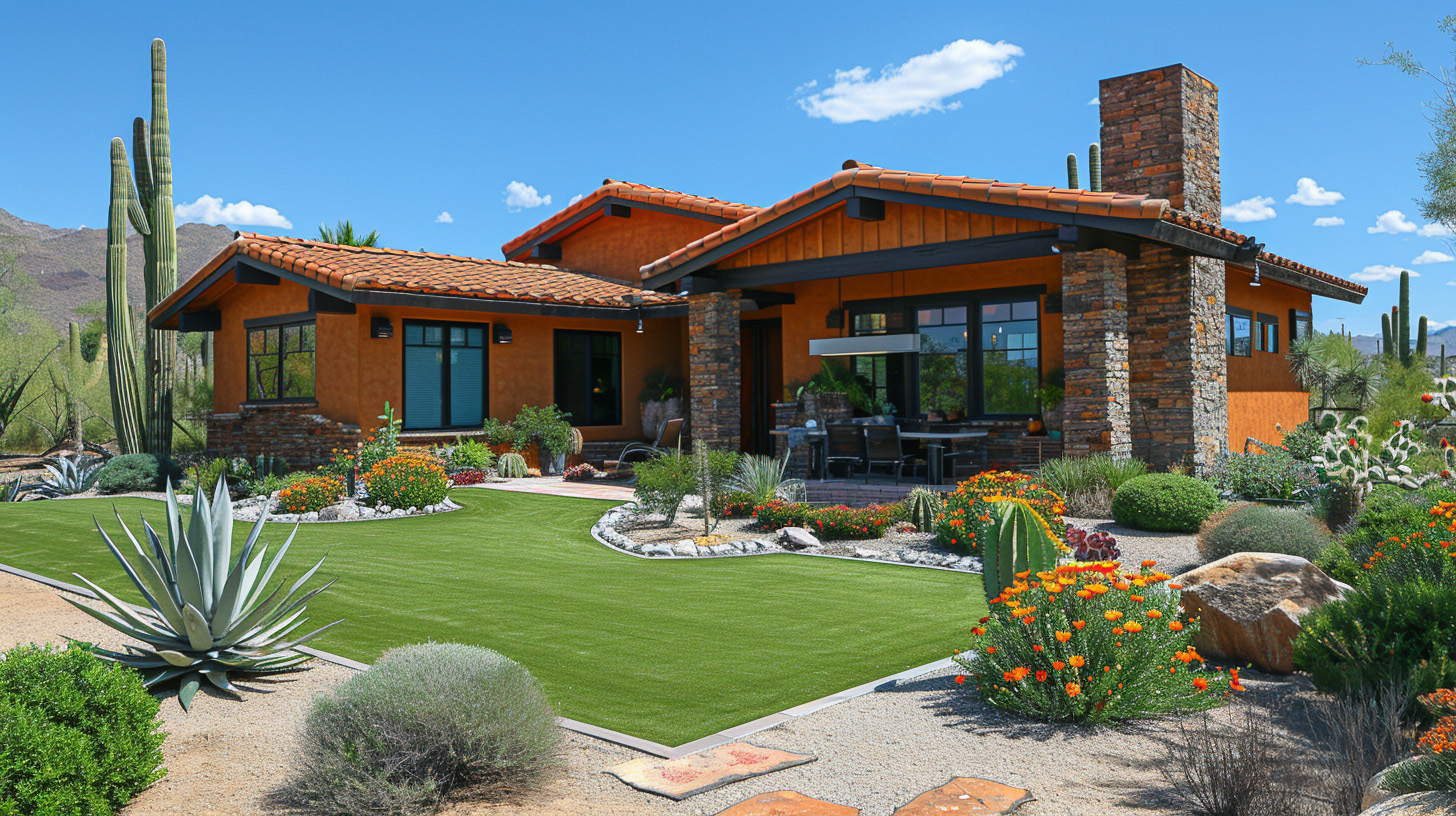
(444,218)
(1329,221)
(1310,194)
(1379,273)
(575,199)
(920,85)
(1451,283)
(1392,223)
(521,196)
(1434,231)
(1094,101)
(1431,256)
(805,88)
(211,210)
(1258,208)
(1437,325)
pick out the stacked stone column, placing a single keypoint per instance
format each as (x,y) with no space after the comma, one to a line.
(1095,353)
(715,375)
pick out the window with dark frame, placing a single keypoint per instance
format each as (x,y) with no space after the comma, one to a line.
(588,375)
(1268,333)
(281,363)
(1239,332)
(445,382)
(1010,357)
(1301,325)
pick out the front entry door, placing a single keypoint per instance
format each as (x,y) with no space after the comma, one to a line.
(761,344)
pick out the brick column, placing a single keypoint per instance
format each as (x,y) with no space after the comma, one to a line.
(1179,367)
(715,376)
(1094,352)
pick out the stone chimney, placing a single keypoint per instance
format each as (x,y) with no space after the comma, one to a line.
(1160,138)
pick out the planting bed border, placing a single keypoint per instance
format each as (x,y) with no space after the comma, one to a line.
(723,737)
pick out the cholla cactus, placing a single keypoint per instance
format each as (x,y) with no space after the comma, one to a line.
(1349,456)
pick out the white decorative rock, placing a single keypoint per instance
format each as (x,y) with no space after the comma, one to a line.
(863,552)
(685,548)
(797,538)
(722,549)
(310,516)
(384,509)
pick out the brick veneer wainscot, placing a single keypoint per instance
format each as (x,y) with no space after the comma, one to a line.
(293,431)
(1095,352)
(714,374)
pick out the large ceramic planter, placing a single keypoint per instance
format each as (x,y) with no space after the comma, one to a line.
(656,413)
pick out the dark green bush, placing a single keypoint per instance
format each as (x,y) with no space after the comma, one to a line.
(1259,528)
(77,735)
(1305,441)
(1164,502)
(424,721)
(1390,512)
(1386,632)
(135,472)
(1339,565)
(1260,476)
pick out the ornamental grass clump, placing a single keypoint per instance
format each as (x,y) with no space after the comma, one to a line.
(423,723)
(962,522)
(310,494)
(1091,643)
(406,480)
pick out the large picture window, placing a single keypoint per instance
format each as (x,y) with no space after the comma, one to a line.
(444,375)
(1010,357)
(943,378)
(281,362)
(589,376)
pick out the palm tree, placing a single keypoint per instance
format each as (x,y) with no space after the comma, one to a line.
(343,234)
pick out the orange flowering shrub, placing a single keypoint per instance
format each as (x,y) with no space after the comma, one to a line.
(1428,554)
(966,514)
(310,495)
(1437,769)
(1089,642)
(406,480)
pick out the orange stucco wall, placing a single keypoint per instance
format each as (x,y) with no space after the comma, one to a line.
(1263,394)
(355,374)
(618,247)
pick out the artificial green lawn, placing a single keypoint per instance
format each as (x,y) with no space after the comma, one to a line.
(665,650)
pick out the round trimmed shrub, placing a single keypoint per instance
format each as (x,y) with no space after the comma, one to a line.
(1260,528)
(406,481)
(424,721)
(134,472)
(1164,502)
(77,734)
(310,495)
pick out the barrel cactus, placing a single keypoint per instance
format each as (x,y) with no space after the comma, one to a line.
(924,507)
(210,615)
(511,466)
(1017,540)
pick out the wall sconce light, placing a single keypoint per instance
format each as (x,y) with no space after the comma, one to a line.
(501,334)
(380,327)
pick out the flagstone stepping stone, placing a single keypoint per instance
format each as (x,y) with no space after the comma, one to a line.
(705,770)
(787,803)
(967,795)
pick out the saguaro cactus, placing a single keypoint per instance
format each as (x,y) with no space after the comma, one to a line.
(1395,329)
(1073,182)
(149,205)
(1094,169)
(121,353)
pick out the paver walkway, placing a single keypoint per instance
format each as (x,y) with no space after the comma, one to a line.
(787,803)
(705,770)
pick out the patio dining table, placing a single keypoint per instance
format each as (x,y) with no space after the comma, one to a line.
(935,444)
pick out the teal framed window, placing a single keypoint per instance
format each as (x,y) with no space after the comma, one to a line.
(445,374)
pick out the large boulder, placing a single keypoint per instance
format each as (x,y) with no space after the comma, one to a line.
(797,538)
(1250,604)
(1425,803)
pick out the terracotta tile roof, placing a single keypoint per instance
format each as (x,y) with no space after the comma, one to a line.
(989,191)
(631,192)
(1184,219)
(372,268)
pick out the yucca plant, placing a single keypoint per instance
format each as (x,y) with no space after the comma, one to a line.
(511,466)
(923,505)
(210,615)
(69,476)
(762,477)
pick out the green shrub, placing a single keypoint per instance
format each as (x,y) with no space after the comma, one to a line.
(664,481)
(1391,512)
(1087,483)
(1259,528)
(1385,632)
(135,472)
(1261,476)
(835,523)
(77,735)
(498,433)
(471,455)
(1427,555)
(733,504)
(1085,644)
(406,480)
(205,475)
(423,722)
(1164,502)
(544,426)
(1339,564)
(1305,441)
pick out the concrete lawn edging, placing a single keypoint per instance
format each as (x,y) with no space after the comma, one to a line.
(646,746)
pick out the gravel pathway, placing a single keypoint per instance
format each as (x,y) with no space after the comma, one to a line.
(1174,552)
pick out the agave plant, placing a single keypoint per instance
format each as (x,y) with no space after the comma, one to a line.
(762,477)
(69,476)
(210,615)
(13,490)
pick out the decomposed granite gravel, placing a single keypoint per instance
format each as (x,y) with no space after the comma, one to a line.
(875,752)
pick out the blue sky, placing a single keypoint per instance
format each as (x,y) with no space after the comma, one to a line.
(391,114)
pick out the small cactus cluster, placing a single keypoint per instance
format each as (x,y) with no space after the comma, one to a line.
(1092,546)
(924,508)
(1094,169)
(1395,329)
(511,466)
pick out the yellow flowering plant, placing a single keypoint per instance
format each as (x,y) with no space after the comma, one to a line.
(966,512)
(1090,642)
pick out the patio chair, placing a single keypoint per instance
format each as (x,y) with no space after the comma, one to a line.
(882,447)
(844,445)
(667,440)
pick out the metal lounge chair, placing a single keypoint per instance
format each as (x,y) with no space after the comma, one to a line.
(844,445)
(667,440)
(882,447)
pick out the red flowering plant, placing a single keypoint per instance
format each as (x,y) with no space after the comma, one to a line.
(469,476)
(406,480)
(310,495)
(961,524)
(732,504)
(580,473)
(1090,642)
(827,523)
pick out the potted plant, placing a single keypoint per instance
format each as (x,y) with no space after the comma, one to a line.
(1050,396)
(832,394)
(547,428)
(661,400)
